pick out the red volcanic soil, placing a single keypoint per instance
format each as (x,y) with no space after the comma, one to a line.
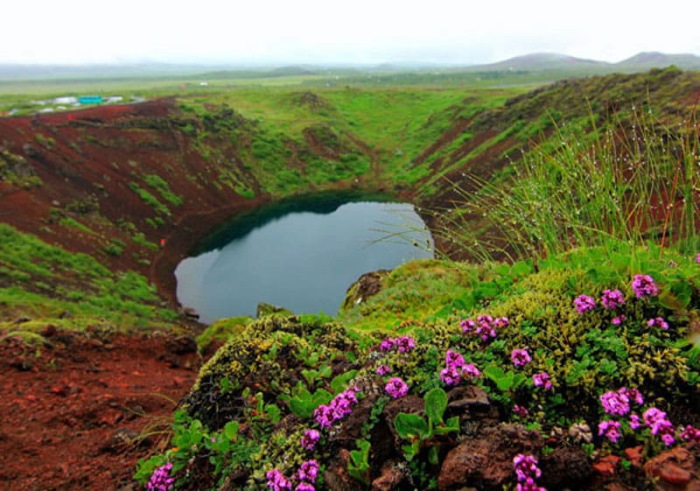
(80,412)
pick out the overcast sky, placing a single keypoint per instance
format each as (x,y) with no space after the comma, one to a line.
(351,31)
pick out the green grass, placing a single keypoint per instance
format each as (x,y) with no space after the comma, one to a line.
(72,290)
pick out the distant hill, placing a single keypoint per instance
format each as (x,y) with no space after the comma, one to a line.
(559,62)
(654,59)
(543,61)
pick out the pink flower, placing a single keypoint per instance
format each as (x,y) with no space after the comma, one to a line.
(619,319)
(612,299)
(383,370)
(310,439)
(611,430)
(277,482)
(644,286)
(584,303)
(659,322)
(520,357)
(525,466)
(697,258)
(396,388)
(635,423)
(542,379)
(470,371)
(450,375)
(454,359)
(308,471)
(467,325)
(520,411)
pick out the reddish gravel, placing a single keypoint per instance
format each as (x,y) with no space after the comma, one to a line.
(76,414)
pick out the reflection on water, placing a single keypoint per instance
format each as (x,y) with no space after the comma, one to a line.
(301,260)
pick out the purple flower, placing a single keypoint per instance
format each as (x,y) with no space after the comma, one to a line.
(542,379)
(521,411)
(612,299)
(337,409)
(383,370)
(387,344)
(405,344)
(324,416)
(470,371)
(615,403)
(310,439)
(611,430)
(277,482)
(450,375)
(660,425)
(529,485)
(690,434)
(584,303)
(525,467)
(161,480)
(619,319)
(635,423)
(501,322)
(305,486)
(644,286)
(659,322)
(454,359)
(520,357)
(697,258)
(467,325)
(308,471)
(396,387)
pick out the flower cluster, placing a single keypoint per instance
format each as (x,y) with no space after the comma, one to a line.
(396,388)
(659,322)
(644,286)
(612,299)
(542,379)
(456,367)
(306,475)
(526,470)
(584,303)
(310,439)
(611,430)
(617,402)
(337,409)
(161,480)
(520,357)
(690,434)
(277,482)
(484,327)
(520,411)
(383,370)
(403,344)
(660,425)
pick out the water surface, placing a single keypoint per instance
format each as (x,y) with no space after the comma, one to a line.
(303,259)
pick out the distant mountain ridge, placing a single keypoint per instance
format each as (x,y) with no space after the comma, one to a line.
(558,61)
(533,62)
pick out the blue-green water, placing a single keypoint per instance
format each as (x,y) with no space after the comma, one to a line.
(303,260)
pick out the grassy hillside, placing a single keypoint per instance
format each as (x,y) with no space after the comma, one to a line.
(589,186)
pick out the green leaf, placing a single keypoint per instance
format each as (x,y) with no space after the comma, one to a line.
(340,383)
(434,455)
(231,430)
(411,450)
(435,405)
(410,426)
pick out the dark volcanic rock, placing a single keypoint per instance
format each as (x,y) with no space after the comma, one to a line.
(486,461)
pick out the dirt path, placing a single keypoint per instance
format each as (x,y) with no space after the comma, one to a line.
(74,414)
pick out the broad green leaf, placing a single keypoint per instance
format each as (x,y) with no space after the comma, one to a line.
(410,426)
(435,405)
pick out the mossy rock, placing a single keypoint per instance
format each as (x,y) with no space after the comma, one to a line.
(268,357)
